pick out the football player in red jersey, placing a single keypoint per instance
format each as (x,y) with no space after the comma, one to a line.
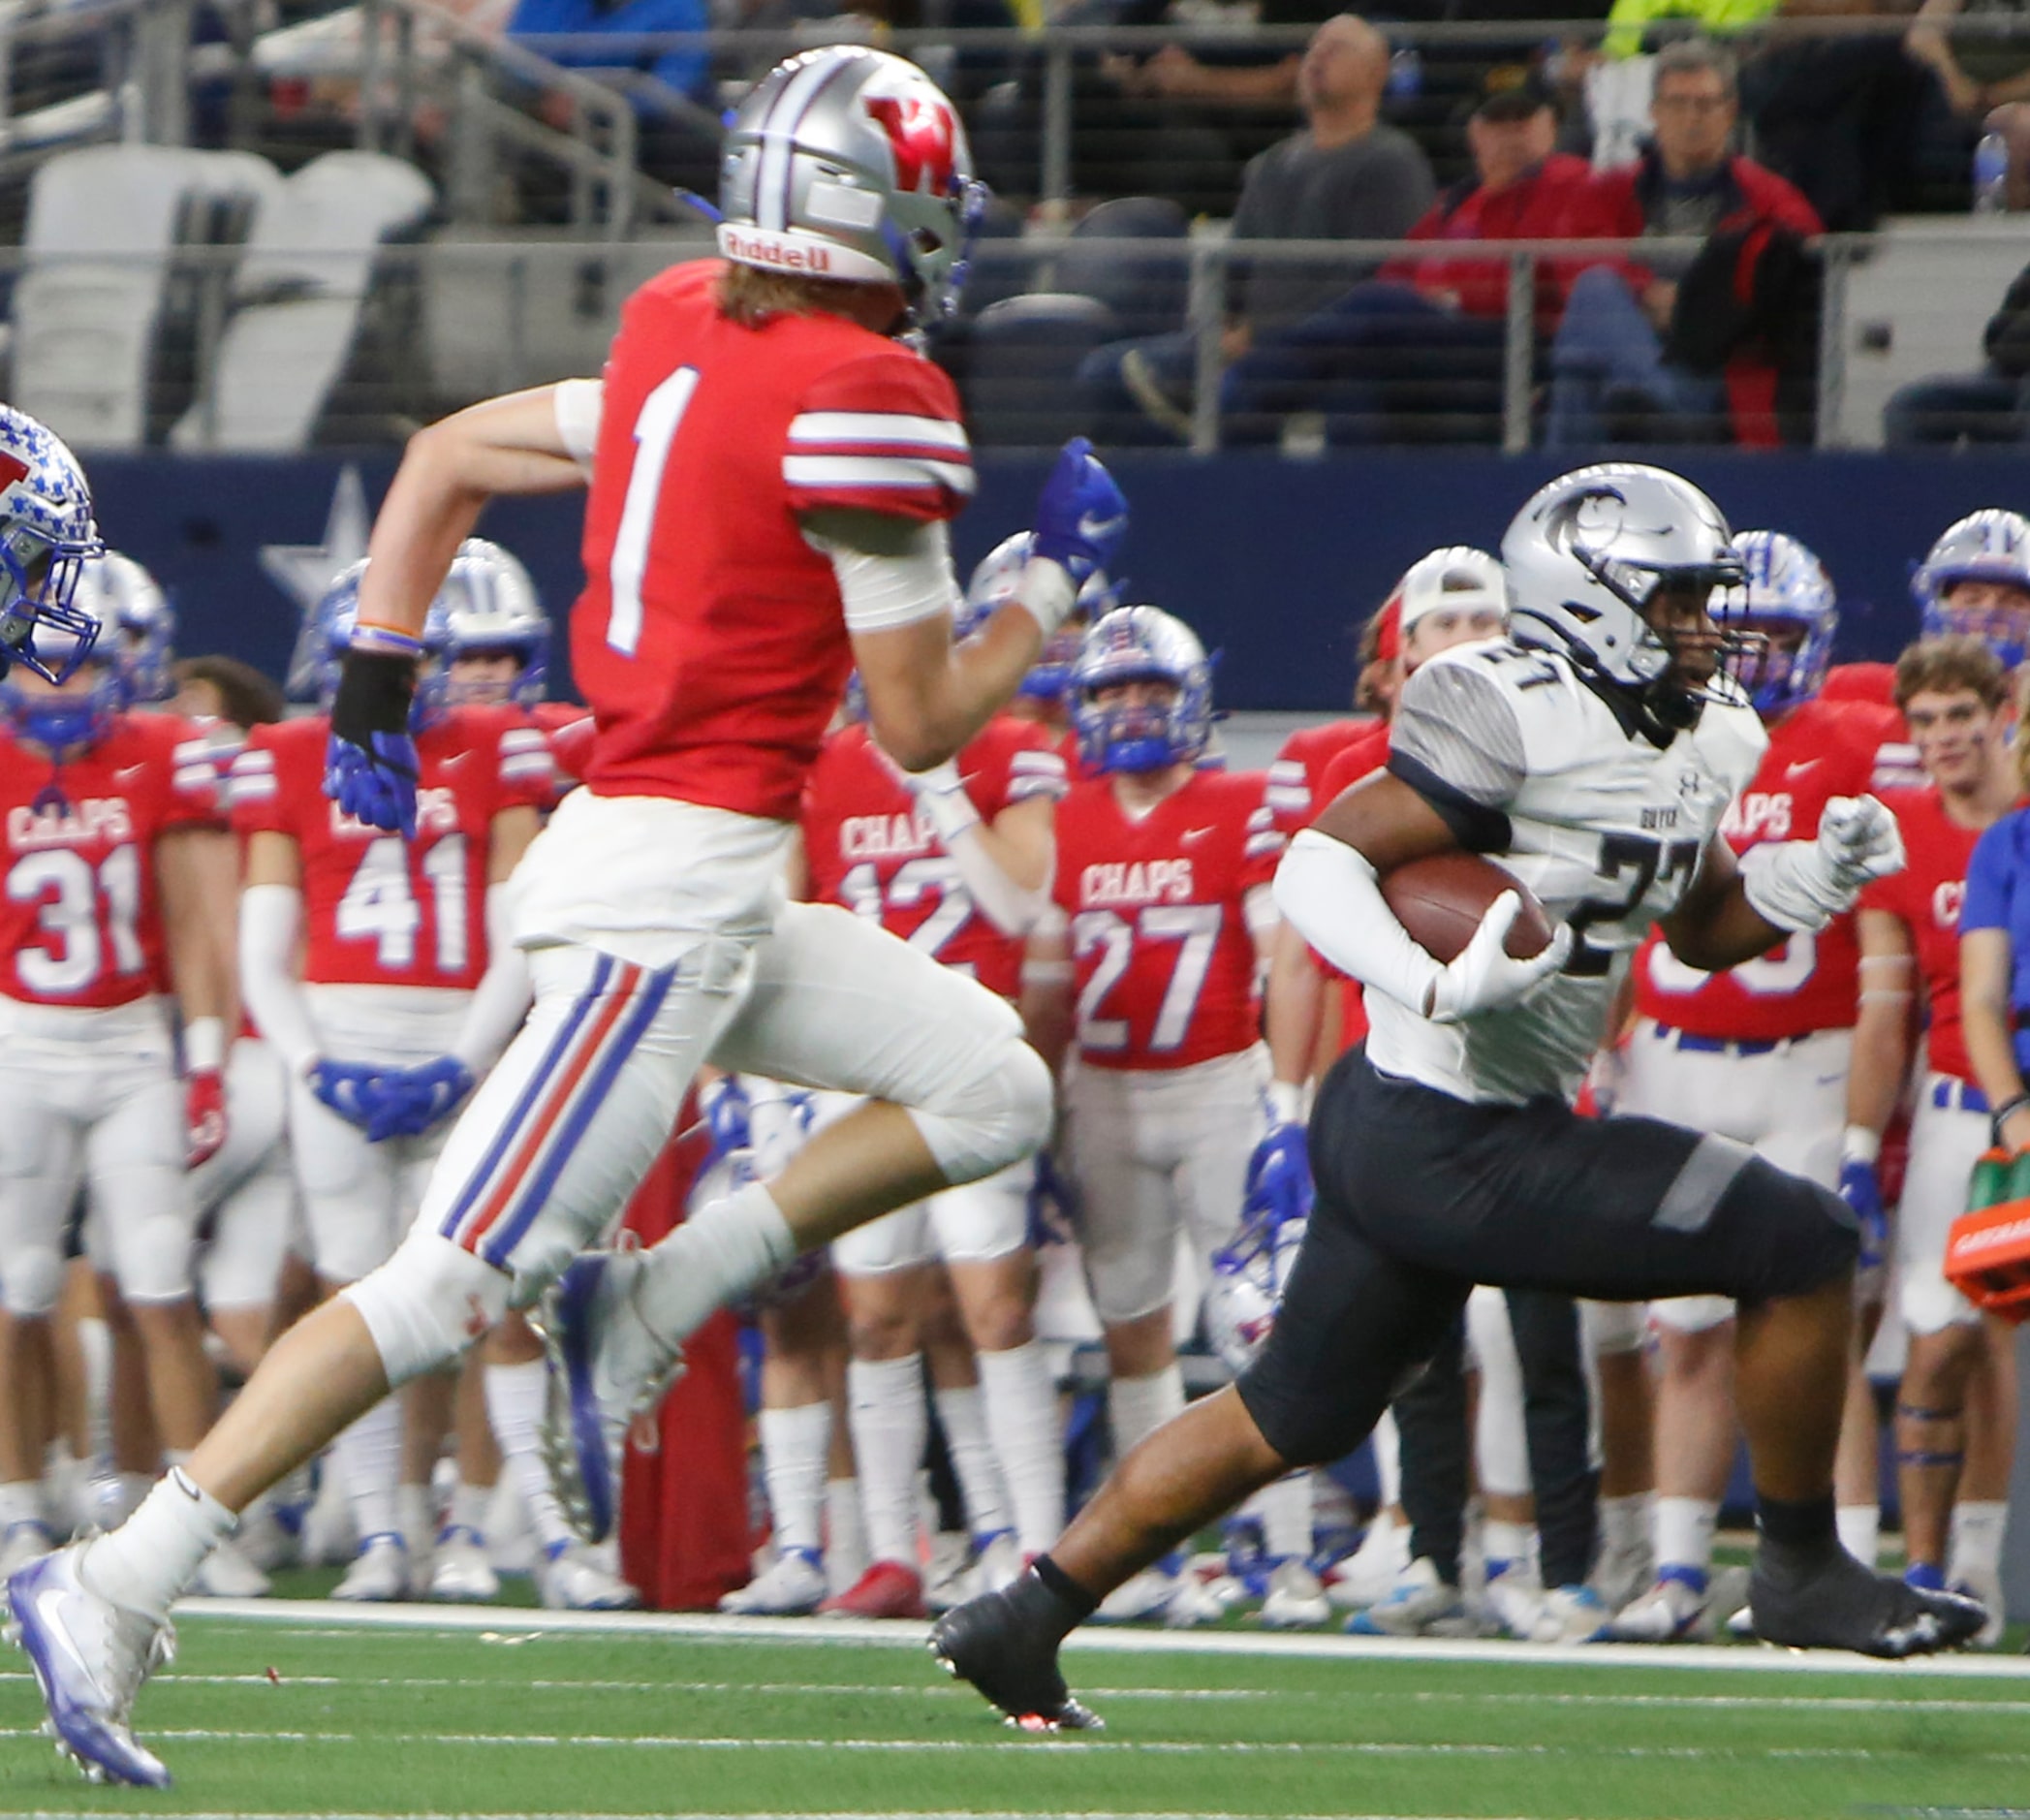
(115,854)
(1040,698)
(375,969)
(770,482)
(1955,1411)
(1162,890)
(956,861)
(1759,1053)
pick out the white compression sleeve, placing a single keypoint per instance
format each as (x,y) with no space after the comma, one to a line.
(894,589)
(1003,903)
(501,1000)
(577,404)
(270,918)
(1330,895)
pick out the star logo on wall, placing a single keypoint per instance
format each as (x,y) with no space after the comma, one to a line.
(305,571)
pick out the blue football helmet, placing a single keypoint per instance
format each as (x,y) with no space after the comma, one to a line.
(80,711)
(994,584)
(47,536)
(332,637)
(1987,545)
(1779,623)
(1141,644)
(141,624)
(491,606)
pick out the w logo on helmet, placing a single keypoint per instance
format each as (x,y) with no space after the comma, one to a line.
(925,136)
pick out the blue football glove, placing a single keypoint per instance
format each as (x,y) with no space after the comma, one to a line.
(370,762)
(1862,1193)
(414,1099)
(353,1090)
(1082,516)
(1278,1186)
(723,1106)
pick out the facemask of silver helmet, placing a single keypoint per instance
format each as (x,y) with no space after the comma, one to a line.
(138,620)
(1590,551)
(491,610)
(848,163)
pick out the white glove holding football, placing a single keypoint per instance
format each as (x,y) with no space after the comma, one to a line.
(1805,884)
(1483,977)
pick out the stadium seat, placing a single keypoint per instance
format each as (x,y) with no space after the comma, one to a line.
(1146,294)
(1023,355)
(103,225)
(299,300)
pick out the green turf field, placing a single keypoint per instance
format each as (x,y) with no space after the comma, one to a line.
(306,1714)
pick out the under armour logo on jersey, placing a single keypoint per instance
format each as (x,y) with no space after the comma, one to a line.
(925,137)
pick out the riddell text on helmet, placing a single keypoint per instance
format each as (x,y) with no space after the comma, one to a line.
(771,252)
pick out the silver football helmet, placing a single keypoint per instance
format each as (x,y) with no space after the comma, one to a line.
(849,163)
(1588,551)
(137,618)
(491,606)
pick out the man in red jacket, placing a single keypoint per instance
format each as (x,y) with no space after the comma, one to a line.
(1696,339)
(1424,338)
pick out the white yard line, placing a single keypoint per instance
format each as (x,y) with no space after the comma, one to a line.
(509,1625)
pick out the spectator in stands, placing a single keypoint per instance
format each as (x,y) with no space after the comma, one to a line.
(1992,405)
(1415,353)
(1983,83)
(1836,114)
(1345,176)
(1694,349)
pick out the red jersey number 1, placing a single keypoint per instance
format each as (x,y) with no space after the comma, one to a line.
(655,430)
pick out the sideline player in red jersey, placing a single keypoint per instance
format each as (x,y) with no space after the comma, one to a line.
(1162,888)
(770,480)
(377,970)
(1955,1411)
(1040,698)
(115,854)
(956,861)
(1759,1053)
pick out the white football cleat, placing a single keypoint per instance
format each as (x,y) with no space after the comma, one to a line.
(1140,1599)
(1515,1600)
(1671,1611)
(1984,1586)
(1622,1573)
(572,1580)
(1574,1613)
(90,1659)
(607,1367)
(23,1543)
(1366,1575)
(228,1573)
(1295,1600)
(328,1537)
(1192,1603)
(461,1574)
(1419,1605)
(998,1564)
(379,1574)
(792,1586)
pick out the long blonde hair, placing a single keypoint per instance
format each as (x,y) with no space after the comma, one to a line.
(749,295)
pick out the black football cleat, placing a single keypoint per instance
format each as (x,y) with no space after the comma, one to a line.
(1006,1644)
(1835,1603)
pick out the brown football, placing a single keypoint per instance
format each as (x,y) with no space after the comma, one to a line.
(1441,901)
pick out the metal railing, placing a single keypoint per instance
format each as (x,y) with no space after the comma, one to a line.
(1036,351)
(407,77)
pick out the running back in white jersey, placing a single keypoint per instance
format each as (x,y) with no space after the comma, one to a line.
(1557,781)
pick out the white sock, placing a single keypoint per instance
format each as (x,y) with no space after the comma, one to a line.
(1284,1506)
(1977,1539)
(1507,1544)
(1861,1531)
(470,1504)
(22,1501)
(1389,1460)
(716,1256)
(795,1446)
(514,1394)
(845,1535)
(415,1517)
(1137,1407)
(1624,1522)
(156,1552)
(1684,1531)
(1021,1415)
(962,1414)
(885,1404)
(370,1463)
(95,1349)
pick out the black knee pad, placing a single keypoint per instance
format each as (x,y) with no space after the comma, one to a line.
(1784,1235)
